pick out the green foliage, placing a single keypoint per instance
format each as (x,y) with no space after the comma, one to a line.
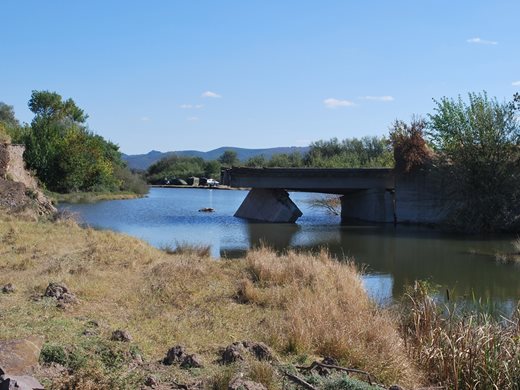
(181,167)
(66,156)
(478,143)
(367,152)
(228,158)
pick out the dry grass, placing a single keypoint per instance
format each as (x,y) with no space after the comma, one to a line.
(188,249)
(298,303)
(462,351)
(323,309)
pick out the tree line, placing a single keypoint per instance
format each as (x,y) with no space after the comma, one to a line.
(368,152)
(64,153)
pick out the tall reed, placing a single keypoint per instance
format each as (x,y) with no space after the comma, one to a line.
(461,350)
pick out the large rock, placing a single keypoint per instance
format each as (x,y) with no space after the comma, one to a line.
(20,357)
(24,382)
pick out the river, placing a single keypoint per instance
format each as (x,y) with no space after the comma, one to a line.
(392,257)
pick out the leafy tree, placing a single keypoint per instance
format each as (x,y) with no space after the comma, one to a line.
(256,161)
(478,143)
(7,116)
(229,158)
(66,155)
(366,152)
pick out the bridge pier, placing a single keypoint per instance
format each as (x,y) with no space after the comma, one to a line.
(268,205)
(372,205)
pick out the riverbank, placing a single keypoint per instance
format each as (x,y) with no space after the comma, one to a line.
(296,305)
(91,197)
(116,313)
(219,187)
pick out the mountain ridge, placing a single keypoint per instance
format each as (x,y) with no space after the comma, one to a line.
(143,161)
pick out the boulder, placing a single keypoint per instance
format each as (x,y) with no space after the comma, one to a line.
(20,357)
(232,353)
(23,382)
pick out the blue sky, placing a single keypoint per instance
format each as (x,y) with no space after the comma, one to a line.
(172,75)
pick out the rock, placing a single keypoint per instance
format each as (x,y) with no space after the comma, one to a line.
(207,210)
(61,293)
(191,361)
(330,361)
(23,382)
(121,335)
(174,355)
(235,351)
(20,357)
(261,351)
(151,381)
(232,353)
(395,387)
(8,288)
(243,384)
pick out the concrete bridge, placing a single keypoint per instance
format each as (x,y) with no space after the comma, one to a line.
(370,194)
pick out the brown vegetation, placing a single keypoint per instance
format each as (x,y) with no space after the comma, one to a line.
(461,350)
(300,305)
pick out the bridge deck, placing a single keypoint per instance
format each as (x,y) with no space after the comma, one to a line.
(327,180)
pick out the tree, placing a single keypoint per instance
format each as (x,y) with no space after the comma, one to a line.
(410,148)
(7,116)
(229,158)
(66,155)
(478,144)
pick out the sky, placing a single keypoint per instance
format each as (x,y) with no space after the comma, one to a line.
(175,75)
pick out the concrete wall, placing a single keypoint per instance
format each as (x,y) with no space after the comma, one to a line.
(268,206)
(373,205)
(421,197)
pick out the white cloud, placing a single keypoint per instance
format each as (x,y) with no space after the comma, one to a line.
(335,103)
(480,41)
(190,106)
(515,83)
(144,119)
(192,118)
(209,94)
(386,98)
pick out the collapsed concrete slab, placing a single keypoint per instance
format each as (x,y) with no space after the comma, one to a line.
(268,205)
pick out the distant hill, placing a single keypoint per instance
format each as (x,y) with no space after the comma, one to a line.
(143,161)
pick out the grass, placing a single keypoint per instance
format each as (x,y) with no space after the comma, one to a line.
(458,349)
(298,304)
(91,197)
(303,306)
(187,249)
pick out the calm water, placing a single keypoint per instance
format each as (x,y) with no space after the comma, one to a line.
(392,257)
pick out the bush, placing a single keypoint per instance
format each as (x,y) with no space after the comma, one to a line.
(478,144)
(409,145)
